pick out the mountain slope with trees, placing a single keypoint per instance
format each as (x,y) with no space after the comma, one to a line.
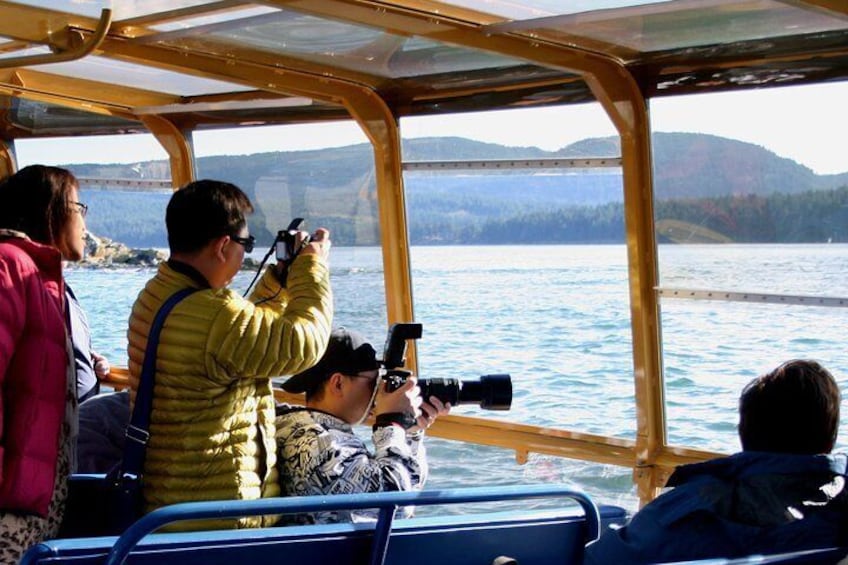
(701,180)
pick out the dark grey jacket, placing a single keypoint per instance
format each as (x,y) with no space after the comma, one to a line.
(748,503)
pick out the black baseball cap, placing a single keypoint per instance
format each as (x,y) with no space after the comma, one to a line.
(348,353)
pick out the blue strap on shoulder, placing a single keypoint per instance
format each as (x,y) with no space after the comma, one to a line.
(137,434)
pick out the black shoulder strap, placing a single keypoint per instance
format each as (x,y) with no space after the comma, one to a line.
(137,432)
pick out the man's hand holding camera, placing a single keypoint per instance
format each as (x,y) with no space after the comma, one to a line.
(319,244)
(292,243)
(430,410)
(406,400)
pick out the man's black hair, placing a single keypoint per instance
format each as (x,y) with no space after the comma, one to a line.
(792,409)
(202,211)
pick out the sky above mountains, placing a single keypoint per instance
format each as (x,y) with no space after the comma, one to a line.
(805,124)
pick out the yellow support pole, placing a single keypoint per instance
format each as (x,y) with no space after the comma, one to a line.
(619,94)
(8,163)
(176,145)
(376,120)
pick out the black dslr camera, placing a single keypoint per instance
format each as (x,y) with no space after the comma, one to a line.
(284,245)
(490,392)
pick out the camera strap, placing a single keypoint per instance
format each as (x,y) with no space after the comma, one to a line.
(371,403)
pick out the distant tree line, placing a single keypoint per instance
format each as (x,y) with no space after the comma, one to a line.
(137,219)
(809,217)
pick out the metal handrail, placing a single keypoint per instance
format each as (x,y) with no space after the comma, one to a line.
(62,56)
(755,297)
(522,438)
(385,501)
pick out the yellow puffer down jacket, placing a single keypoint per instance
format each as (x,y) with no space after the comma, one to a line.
(212,423)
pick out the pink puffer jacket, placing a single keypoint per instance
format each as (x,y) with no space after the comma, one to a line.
(33,364)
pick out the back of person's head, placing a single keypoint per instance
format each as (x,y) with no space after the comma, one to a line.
(202,211)
(792,409)
(37,201)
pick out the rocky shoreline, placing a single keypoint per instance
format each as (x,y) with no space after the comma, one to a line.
(102,252)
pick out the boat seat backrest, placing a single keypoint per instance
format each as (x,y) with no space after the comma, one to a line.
(531,537)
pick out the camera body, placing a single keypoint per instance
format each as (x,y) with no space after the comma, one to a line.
(284,244)
(490,392)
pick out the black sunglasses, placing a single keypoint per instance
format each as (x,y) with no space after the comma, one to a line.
(248,242)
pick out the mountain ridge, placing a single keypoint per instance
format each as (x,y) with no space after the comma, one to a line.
(336,185)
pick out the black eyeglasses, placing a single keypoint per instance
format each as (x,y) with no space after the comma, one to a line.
(81,208)
(372,378)
(248,241)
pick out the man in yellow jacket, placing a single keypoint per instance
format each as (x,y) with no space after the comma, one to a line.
(212,422)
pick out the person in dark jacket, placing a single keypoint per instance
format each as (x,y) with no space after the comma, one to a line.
(784,492)
(103,426)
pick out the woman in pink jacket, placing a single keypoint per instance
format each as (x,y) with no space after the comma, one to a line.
(41,222)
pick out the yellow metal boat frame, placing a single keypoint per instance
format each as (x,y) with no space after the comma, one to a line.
(606,70)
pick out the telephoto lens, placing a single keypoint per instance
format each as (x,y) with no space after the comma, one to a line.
(490,392)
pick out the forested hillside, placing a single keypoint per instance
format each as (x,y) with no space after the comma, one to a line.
(740,191)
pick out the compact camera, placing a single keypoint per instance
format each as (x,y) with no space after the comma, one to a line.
(490,392)
(286,242)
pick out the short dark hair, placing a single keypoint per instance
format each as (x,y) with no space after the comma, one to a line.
(792,409)
(202,211)
(37,201)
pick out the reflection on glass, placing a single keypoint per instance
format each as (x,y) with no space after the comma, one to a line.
(337,44)
(541,8)
(658,26)
(214,18)
(111,71)
(46,119)
(331,187)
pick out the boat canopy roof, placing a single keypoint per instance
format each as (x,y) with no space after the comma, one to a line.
(71,67)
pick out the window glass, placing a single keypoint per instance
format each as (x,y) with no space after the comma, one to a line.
(335,43)
(122,10)
(125,183)
(521,268)
(751,207)
(323,173)
(125,180)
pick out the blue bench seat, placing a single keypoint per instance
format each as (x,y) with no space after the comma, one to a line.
(531,537)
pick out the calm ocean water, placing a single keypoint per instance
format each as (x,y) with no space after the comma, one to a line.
(557,318)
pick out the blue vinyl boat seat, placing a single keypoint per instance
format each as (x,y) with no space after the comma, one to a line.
(529,536)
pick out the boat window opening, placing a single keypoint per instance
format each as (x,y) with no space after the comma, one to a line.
(323,173)
(125,182)
(753,247)
(451,466)
(124,179)
(494,230)
(521,134)
(703,343)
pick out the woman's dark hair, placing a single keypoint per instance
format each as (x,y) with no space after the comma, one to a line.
(37,201)
(792,409)
(202,211)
